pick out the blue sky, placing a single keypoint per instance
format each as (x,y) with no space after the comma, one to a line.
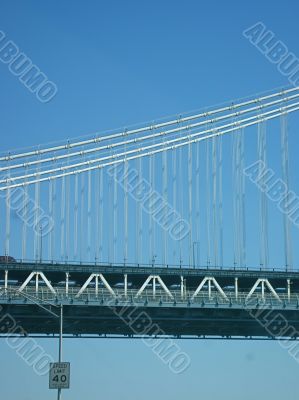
(116,64)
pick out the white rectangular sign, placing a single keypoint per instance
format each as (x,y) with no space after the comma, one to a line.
(59,375)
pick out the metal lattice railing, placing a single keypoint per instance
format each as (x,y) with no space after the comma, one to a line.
(103,296)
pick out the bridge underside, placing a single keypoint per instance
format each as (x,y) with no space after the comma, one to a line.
(154,321)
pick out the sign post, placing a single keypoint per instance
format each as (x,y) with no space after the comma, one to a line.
(59,375)
(60,345)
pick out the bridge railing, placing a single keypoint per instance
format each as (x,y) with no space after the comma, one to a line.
(20,263)
(147,297)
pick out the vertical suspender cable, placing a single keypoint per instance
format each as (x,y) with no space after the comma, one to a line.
(53,212)
(137,205)
(126,211)
(37,235)
(139,218)
(67,217)
(263,198)
(7,225)
(237,176)
(260,157)
(24,228)
(97,216)
(265,202)
(110,217)
(242,198)
(153,255)
(191,260)
(82,221)
(214,182)
(240,229)
(154,252)
(238,199)
(285,176)
(165,207)
(197,206)
(181,201)
(101,214)
(234,196)
(50,205)
(115,204)
(220,203)
(238,193)
(89,217)
(76,209)
(152,221)
(151,201)
(208,201)
(62,221)
(174,196)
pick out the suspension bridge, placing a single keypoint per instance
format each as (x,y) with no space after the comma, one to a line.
(186,225)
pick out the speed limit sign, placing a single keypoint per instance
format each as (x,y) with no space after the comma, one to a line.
(59,376)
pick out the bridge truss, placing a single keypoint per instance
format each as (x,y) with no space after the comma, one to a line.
(131,301)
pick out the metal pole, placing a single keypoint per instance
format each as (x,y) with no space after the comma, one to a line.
(60,345)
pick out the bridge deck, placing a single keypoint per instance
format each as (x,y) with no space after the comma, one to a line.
(103,314)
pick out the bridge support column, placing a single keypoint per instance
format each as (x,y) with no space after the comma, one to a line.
(36,283)
(289,289)
(5,279)
(236,289)
(182,287)
(97,285)
(67,275)
(126,285)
